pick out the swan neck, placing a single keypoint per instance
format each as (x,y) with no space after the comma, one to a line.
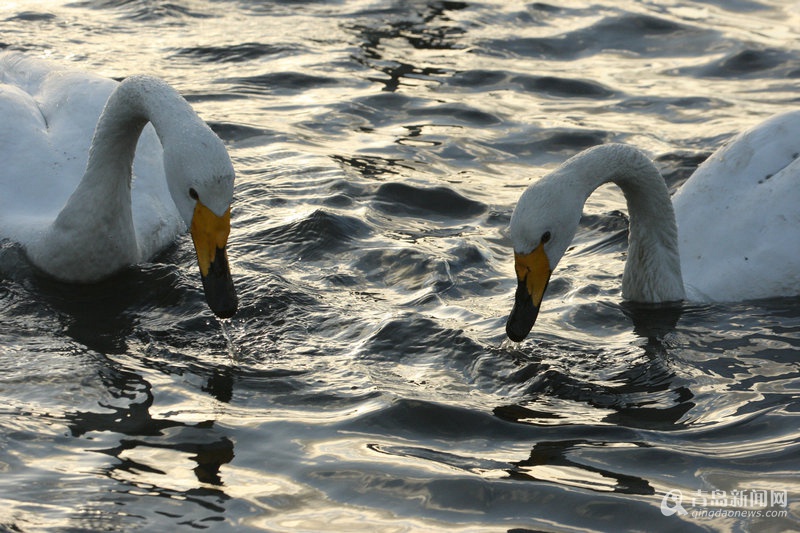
(652,269)
(99,213)
(135,102)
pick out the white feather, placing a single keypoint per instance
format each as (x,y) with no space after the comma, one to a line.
(82,223)
(732,232)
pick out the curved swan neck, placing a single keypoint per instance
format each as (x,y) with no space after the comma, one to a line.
(135,102)
(99,214)
(652,269)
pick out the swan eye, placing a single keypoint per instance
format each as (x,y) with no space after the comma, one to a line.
(545,237)
(193,194)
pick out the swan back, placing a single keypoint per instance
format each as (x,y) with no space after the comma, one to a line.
(49,116)
(739,219)
(47,123)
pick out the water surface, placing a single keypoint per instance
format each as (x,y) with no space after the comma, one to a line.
(365,385)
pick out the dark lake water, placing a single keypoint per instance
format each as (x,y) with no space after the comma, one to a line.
(365,384)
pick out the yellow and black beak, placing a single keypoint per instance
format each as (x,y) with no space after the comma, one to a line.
(533,274)
(210,236)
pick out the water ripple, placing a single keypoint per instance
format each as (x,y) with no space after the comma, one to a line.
(364,383)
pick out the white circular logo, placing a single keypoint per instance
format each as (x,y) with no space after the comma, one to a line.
(676,497)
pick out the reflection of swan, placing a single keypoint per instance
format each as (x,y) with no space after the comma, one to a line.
(738,223)
(78,211)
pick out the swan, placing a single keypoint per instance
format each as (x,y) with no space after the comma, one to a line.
(731,233)
(98,175)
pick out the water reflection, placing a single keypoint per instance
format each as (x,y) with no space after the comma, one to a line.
(426,27)
(549,461)
(646,393)
(149,446)
(100,316)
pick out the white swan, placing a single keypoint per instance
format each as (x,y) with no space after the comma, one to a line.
(84,200)
(737,235)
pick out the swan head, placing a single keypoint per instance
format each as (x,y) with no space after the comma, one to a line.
(542,227)
(200,178)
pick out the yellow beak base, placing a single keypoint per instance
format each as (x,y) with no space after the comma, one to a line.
(533,274)
(210,236)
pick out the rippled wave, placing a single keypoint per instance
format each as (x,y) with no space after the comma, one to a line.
(365,383)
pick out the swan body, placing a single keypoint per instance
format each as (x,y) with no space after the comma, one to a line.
(98,175)
(739,216)
(731,233)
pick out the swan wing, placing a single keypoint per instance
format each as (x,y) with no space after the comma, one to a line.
(739,216)
(48,118)
(49,114)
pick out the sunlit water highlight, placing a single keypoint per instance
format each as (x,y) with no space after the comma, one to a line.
(365,383)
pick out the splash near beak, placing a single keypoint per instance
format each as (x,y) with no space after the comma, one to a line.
(533,273)
(210,236)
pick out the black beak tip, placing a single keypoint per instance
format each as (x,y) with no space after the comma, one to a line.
(218,287)
(516,335)
(523,315)
(224,307)
(519,324)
